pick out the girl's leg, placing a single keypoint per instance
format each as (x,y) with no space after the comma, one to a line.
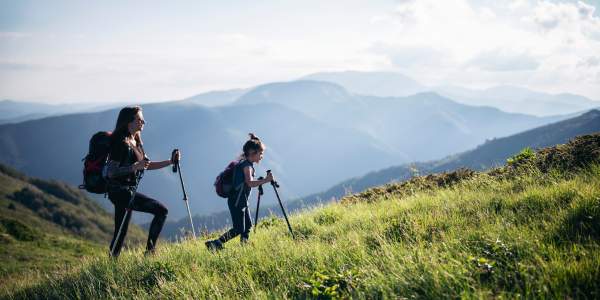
(146,204)
(247,225)
(237,220)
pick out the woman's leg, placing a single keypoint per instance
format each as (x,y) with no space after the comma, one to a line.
(120,200)
(146,204)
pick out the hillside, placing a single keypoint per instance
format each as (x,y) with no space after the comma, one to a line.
(492,153)
(44,224)
(529,229)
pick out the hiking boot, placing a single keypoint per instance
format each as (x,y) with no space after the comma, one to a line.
(214,245)
(149,252)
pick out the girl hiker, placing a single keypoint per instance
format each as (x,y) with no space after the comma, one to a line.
(126,159)
(243,182)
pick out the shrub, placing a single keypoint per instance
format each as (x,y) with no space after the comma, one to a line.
(332,285)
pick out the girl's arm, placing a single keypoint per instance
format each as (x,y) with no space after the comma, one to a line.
(254,183)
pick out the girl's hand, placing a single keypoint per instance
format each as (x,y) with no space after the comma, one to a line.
(140,165)
(269,177)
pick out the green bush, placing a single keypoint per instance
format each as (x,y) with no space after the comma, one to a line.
(18,230)
(332,285)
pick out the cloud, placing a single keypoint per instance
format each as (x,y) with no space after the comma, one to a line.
(503,60)
(541,43)
(13,35)
(404,56)
(26,66)
(573,17)
(589,62)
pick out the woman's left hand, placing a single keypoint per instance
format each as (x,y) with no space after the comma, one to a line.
(176,157)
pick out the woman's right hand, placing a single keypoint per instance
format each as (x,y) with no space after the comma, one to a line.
(140,165)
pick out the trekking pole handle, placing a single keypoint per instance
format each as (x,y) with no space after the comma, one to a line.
(174,161)
(260,188)
(273,182)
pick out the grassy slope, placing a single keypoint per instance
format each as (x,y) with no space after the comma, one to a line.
(50,226)
(531,229)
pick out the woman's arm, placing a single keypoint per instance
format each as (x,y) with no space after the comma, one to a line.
(114,170)
(153,165)
(175,156)
(254,183)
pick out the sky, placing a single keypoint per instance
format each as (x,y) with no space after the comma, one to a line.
(108,51)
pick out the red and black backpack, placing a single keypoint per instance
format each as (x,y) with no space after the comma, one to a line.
(94,162)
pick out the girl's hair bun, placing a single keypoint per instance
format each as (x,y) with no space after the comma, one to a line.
(253,136)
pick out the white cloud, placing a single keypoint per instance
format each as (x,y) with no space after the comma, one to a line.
(166,52)
(13,35)
(504,60)
(491,44)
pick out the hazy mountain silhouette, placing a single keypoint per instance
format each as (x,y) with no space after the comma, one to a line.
(423,126)
(522,100)
(215,98)
(505,97)
(20,111)
(382,84)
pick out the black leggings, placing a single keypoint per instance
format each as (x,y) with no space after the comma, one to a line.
(143,203)
(240,216)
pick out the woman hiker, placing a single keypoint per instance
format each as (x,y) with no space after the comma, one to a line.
(126,159)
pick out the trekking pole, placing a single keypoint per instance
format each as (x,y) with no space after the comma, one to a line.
(177,167)
(275,186)
(260,192)
(127,211)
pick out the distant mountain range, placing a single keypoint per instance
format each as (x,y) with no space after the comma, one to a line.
(19,111)
(317,134)
(507,98)
(380,84)
(492,153)
(522,100)
(214,98)
(423,126)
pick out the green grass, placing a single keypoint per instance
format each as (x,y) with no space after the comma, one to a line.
(43,254)
(47,225)
(530,229)
(535,235)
